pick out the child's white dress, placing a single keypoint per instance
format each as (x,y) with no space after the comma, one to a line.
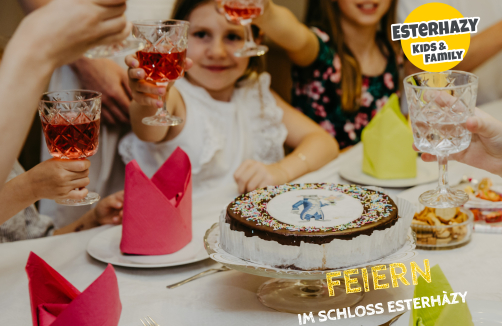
(218,136)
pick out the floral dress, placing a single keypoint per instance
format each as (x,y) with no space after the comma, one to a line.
(319,96)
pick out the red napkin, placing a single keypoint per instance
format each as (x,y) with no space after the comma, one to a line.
(158,212)
(55,302)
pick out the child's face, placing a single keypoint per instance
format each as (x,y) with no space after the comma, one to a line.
(211,44)
(364,12)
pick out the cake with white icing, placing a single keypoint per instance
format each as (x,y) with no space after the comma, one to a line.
(312,226)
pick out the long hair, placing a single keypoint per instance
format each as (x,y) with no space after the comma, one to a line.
(326,14)
(183,9)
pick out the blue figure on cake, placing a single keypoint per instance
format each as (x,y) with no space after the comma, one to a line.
(312,208)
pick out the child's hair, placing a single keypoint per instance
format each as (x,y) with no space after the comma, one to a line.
(326,15)
(183,9)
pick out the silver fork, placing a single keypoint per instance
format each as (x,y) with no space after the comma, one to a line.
(196,276)
(149,321)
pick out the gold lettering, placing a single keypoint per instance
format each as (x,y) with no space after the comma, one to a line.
(349,281)
(398,276)
(415,269)
(331,283)
(376,277)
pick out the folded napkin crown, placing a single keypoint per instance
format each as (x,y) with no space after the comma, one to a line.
(158,211)
(56,302)
(387,144)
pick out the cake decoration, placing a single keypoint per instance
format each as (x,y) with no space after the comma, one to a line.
(253,207)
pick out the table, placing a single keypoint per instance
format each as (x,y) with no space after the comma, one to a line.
(229,298)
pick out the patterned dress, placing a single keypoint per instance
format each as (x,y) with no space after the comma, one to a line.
(318,96)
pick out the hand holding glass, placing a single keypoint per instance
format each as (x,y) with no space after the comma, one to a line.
(71,121)
(123,48)
(243,12)
(162,59)
(439,104)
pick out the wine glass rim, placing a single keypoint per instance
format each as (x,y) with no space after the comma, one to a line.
(159,22)
(472,82)
(96,95)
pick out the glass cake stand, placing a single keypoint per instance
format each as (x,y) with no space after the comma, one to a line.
(298,291)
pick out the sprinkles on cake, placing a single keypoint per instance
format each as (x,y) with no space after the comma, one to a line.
(253,206)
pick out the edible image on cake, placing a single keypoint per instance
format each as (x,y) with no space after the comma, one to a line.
(316,208)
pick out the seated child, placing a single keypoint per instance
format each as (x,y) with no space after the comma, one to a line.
(235,126)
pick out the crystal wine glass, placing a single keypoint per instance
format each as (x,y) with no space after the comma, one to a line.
(163,59)
(70,121)
(439,104)
(243,12)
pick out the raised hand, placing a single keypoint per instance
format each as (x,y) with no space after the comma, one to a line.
(143,92)
(75,26)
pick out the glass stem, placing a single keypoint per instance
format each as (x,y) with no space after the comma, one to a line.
(163,111)
(248,35)
(443,173)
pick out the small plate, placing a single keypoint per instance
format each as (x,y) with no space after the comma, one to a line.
(426,173)
(105,247)
(484,313)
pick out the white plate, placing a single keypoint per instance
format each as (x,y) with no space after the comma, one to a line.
(105,247)
(426,173)
(484,313)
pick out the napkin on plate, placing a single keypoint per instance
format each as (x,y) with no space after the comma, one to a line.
(158,212)
(387,141)
(447,315)
(55,302)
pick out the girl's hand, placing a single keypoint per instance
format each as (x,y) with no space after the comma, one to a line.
(252,175)
(143,92)
(485,150)
(59,179)
(109,210)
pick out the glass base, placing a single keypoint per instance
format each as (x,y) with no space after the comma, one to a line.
(444,198)
(254,51)
(162,120)
(127,46)
(305,296)
(91,198)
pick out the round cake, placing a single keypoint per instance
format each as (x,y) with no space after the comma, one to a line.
(312,226)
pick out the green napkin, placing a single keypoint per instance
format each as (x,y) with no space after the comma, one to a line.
(447,315)
(387,141)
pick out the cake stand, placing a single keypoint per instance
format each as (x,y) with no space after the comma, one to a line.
(297,291)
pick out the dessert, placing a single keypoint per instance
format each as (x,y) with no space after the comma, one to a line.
(484,191)
(312,226)
(440,226)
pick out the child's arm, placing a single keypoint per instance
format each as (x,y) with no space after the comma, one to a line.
(313,146)
(107,211)
(51,179)
(282,27)
(146,102)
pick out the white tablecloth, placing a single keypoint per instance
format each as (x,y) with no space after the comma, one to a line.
(229,298)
